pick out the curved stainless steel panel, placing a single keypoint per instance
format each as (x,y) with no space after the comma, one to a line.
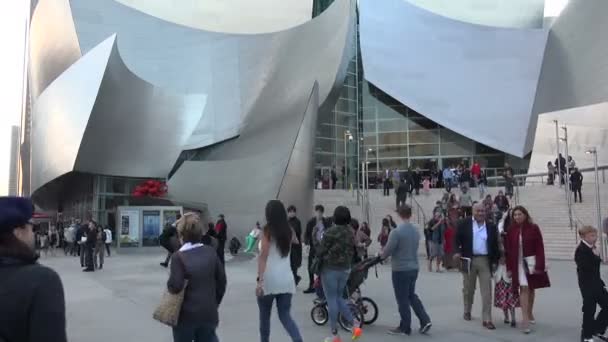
(53,43)
(234,70)
(238,184)
(296,186)
(266,87)
(587,127)
(478,81)
(575,68)
(119,125)
(135,128)
(65,106)
(229,16)
(497,13)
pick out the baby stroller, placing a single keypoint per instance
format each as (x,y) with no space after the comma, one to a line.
(364,308)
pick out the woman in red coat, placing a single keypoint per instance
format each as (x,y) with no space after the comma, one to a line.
(525,259)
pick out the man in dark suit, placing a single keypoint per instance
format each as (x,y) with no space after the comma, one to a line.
(387,186)
(402,191)
(312,240)
(296,248)
(476,242)
(593,288)
(576,182)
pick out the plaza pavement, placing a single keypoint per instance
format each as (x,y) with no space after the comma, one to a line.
(116,304)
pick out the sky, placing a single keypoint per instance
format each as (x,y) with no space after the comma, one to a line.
(12,29)
(12,33)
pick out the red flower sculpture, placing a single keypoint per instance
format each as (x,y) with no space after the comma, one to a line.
(150,188)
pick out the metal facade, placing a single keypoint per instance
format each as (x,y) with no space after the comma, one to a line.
(498,13)
(146,89)
(479,81)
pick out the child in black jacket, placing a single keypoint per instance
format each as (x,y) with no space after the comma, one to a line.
(593,288)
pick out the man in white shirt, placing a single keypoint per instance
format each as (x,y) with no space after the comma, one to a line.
(108,241)
(476,243)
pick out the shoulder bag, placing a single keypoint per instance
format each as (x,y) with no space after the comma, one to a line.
(170,305)
(316,265)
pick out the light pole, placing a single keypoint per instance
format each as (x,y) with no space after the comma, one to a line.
(349,136)
(367,182)
(593,151)
(559,168)
(567,177)
(360,143)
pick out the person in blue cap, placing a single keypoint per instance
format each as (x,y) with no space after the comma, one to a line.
(32,301)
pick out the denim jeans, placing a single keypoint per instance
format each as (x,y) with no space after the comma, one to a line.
(404,284)
(203,332)
(448,184)
(284,308)
(334,283)
(482,189)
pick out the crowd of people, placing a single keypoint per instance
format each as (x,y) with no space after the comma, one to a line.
(566,169)
(487,240)
(491,241)
(72,240)
(411,182)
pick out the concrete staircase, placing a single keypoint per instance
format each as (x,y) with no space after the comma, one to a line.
(546,204)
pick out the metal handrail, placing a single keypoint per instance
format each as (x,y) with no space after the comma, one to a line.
(419,210)
(574,220)
(544,174)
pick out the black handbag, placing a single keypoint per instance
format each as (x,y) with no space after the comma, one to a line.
(316,265)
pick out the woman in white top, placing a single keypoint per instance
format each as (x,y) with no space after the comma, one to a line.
(273,265)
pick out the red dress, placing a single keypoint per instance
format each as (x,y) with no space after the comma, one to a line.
(448,239)
(532,243)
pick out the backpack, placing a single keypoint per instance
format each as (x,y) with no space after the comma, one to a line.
(234,246)
(101,236)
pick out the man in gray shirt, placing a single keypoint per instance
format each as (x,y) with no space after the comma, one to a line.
(402,246)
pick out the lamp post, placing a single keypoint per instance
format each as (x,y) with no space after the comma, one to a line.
(593,151)
(349,136)
(360,143)
(367,182)
(567,177)
(559,168)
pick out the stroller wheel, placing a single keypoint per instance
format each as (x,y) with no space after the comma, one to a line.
(355,312)
(319,314)
(369,310)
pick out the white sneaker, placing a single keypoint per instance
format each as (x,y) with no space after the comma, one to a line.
(585,340)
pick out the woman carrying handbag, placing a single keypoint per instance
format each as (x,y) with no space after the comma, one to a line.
(196,286)
(525,259)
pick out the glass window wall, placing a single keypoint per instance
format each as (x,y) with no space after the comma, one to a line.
(400,137)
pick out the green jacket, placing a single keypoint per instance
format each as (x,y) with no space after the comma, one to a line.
(337,248)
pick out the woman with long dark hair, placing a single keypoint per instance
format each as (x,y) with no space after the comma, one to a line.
(336,254)
(525,259)
(274,264)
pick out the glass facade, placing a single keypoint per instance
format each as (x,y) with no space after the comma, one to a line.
(337,135)
(112,192)
(389,134)
(401,138)
(96,197)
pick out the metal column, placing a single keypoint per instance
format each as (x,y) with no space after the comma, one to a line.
(598,204)
(567,178)
(559,168)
